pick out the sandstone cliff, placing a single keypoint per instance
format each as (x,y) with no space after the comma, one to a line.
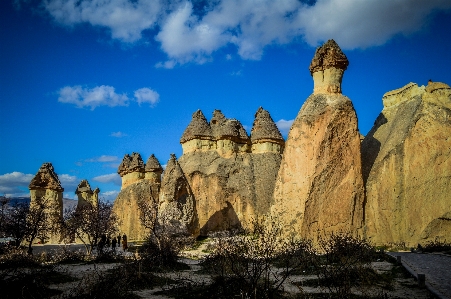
(319,187)
(407,166)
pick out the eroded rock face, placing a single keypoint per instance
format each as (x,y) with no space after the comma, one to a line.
(46,186)
(127,210)
(319,188)
(177,210)
(407,166)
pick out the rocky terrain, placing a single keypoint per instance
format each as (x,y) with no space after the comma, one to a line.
(392,187)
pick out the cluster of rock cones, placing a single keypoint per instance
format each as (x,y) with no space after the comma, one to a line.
(391,187)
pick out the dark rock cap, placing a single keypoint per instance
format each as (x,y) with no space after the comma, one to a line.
(198,128)
(264,127)
(153,165)
(172,171)
(46,178)
(133,163)
(223,127)
(327,56)
(83,187)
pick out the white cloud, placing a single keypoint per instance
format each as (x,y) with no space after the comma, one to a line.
(103,158)
(98,96)
(109,178)
(284,126)
(68,181)
(13,183)
(147,95)
(125,19)
(188,35)
(118,134)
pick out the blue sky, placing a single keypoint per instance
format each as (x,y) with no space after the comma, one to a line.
(84,82)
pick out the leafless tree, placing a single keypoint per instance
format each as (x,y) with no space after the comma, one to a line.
(89,222)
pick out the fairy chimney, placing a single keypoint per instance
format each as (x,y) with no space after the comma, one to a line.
(230,135)
(131,169)
(46,188)
(198,135)
(86,196)
(327,68)
(153,170)
(265,135)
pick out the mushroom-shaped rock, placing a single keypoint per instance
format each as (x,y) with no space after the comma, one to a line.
(153,169)
(86,195)
(177,207)
(198,128)
(224,128)
(46,178)
(83,187)
(124,166)
(327,68)
(264,128)
(136,164)
(153,165)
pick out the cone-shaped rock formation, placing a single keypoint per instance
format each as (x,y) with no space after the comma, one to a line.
(319,188)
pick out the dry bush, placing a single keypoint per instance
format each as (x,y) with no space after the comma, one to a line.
(344,263)
(247,260)
(436,246)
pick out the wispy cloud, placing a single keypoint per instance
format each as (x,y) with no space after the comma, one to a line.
(284,126)
(104,95)
(109,178)
(188,33)
(147,95)
(118,134)
(103,158)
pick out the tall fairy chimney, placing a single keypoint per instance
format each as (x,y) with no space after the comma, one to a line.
(327,68)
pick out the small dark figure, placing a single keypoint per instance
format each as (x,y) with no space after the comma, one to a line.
(113,244)
(108,241)
(119,241)
(124,242)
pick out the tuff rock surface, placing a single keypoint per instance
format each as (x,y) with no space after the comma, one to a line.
(126,207)
(86,195)
(407,166)
(319,187)
(177,207)
(46,186)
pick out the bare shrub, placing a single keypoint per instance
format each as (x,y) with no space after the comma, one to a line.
(247,260)
(436,246)
(344,263)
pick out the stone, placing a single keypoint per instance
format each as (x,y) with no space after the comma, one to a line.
(46,184)
(153,170)
(327,68)
(86,196)
(407,167)
(319,188)
(265,136)
(126,207)
(131,169)
(177,207)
